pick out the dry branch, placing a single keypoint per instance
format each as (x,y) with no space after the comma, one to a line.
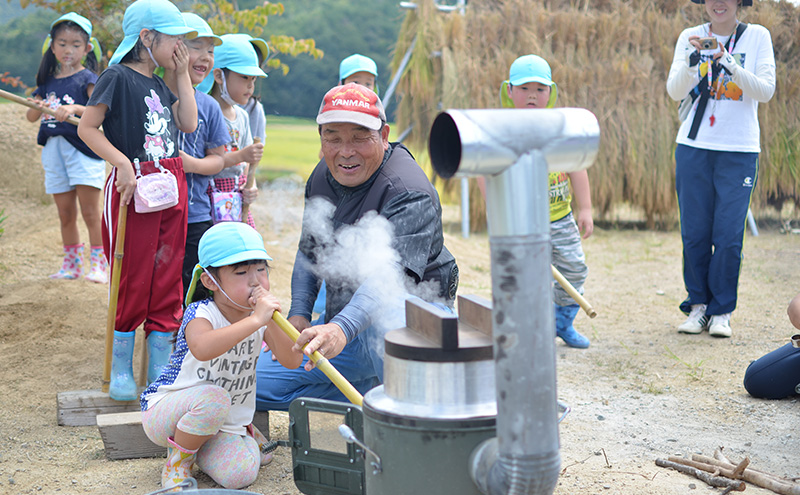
(709,479)
(759,478)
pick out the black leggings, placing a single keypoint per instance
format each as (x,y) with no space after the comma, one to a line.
(775,375)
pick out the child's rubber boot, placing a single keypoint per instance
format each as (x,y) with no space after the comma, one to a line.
(123,386)
(179,465)
(266,447)
(98,266)
(72,266)
(565,315)
(159,349)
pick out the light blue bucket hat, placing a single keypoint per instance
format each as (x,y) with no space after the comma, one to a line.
(358,63)
(200,25)
(237,53)
(226,243)
(527,69)
(159,15)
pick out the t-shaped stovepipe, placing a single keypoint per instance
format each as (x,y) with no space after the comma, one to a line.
(515,150)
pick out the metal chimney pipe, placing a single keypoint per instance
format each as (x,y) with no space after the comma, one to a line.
(513,149)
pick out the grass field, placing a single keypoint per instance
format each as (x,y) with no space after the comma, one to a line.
(292,147)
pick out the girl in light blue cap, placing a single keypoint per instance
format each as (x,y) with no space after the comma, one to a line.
(141,117)
(73,174)
(201,407)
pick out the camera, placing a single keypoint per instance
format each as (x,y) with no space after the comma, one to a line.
(708,43)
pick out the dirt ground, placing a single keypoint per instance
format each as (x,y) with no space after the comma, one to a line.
(641,391)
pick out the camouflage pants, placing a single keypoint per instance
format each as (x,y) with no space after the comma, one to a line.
(568,258)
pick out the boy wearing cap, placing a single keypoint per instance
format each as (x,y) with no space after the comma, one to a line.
(203,150)
(530,85)
(362,174)
(201,406)
(359,69)
(235,71)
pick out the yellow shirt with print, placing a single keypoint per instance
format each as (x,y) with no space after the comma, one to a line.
(560,196)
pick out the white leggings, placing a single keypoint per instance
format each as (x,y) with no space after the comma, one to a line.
(231,460)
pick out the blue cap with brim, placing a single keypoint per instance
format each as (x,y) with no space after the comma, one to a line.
(356,63)
(157,15)
(200,25)
(81,21)
(528,69)
(226,243)
(237,53)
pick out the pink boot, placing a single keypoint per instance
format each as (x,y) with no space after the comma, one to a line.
(98,266)
(72,266)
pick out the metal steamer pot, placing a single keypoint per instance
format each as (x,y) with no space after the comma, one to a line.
(436,405)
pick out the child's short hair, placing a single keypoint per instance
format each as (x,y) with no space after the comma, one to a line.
(226,243)
(528,69)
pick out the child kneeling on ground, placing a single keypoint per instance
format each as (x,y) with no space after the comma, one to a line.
(201,407)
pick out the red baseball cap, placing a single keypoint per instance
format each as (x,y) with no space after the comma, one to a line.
(354,104)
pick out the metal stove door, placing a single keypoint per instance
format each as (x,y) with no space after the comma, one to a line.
(323,463)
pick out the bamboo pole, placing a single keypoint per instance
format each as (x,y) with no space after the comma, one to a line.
(23,101)
(564,283)
(251,179)
(321,362)
(119,252)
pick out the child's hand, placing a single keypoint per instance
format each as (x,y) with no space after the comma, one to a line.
(253,153)
(249,195)
(585,223)
(125,182)
(180,57)
(264,303)
(64,112)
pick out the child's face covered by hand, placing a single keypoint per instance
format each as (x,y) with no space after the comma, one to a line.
(529,95)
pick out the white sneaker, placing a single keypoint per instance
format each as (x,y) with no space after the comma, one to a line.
(720,325)
(697,320)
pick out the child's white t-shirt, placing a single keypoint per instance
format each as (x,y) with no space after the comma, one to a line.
(235,370)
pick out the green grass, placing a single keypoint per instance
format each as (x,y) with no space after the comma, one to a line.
(292,147)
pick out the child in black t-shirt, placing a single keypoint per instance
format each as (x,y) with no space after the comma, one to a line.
(140,118)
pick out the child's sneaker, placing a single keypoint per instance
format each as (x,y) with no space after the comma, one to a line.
(720,325)
(266,447)
(696,322)
(98,266)
(72,266)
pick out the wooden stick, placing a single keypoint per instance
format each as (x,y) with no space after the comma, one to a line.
(119,252)
(707,478)
(759,478)
(251,179)
(22,101)
(564,283)
(322,363)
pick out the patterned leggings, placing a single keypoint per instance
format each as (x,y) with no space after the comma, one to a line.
(231,460)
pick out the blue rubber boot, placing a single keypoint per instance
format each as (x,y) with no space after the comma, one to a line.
(159,349)
(122,386)
(565,315)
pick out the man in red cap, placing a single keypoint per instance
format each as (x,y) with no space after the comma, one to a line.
(362,174)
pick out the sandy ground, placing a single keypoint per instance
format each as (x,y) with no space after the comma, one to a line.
(640,392)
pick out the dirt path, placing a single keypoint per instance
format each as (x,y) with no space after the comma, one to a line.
(641,391)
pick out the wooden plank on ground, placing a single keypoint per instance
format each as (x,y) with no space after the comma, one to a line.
(81,407)
(124,438)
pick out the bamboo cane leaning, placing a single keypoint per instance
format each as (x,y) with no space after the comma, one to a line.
(22,101)
(251,179)
(564,283)
(119,252)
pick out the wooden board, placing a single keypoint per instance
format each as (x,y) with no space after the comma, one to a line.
(476,312)
(81,407)
(434,324)
(124,438)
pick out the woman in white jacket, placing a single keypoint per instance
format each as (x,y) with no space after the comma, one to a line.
(722,69)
